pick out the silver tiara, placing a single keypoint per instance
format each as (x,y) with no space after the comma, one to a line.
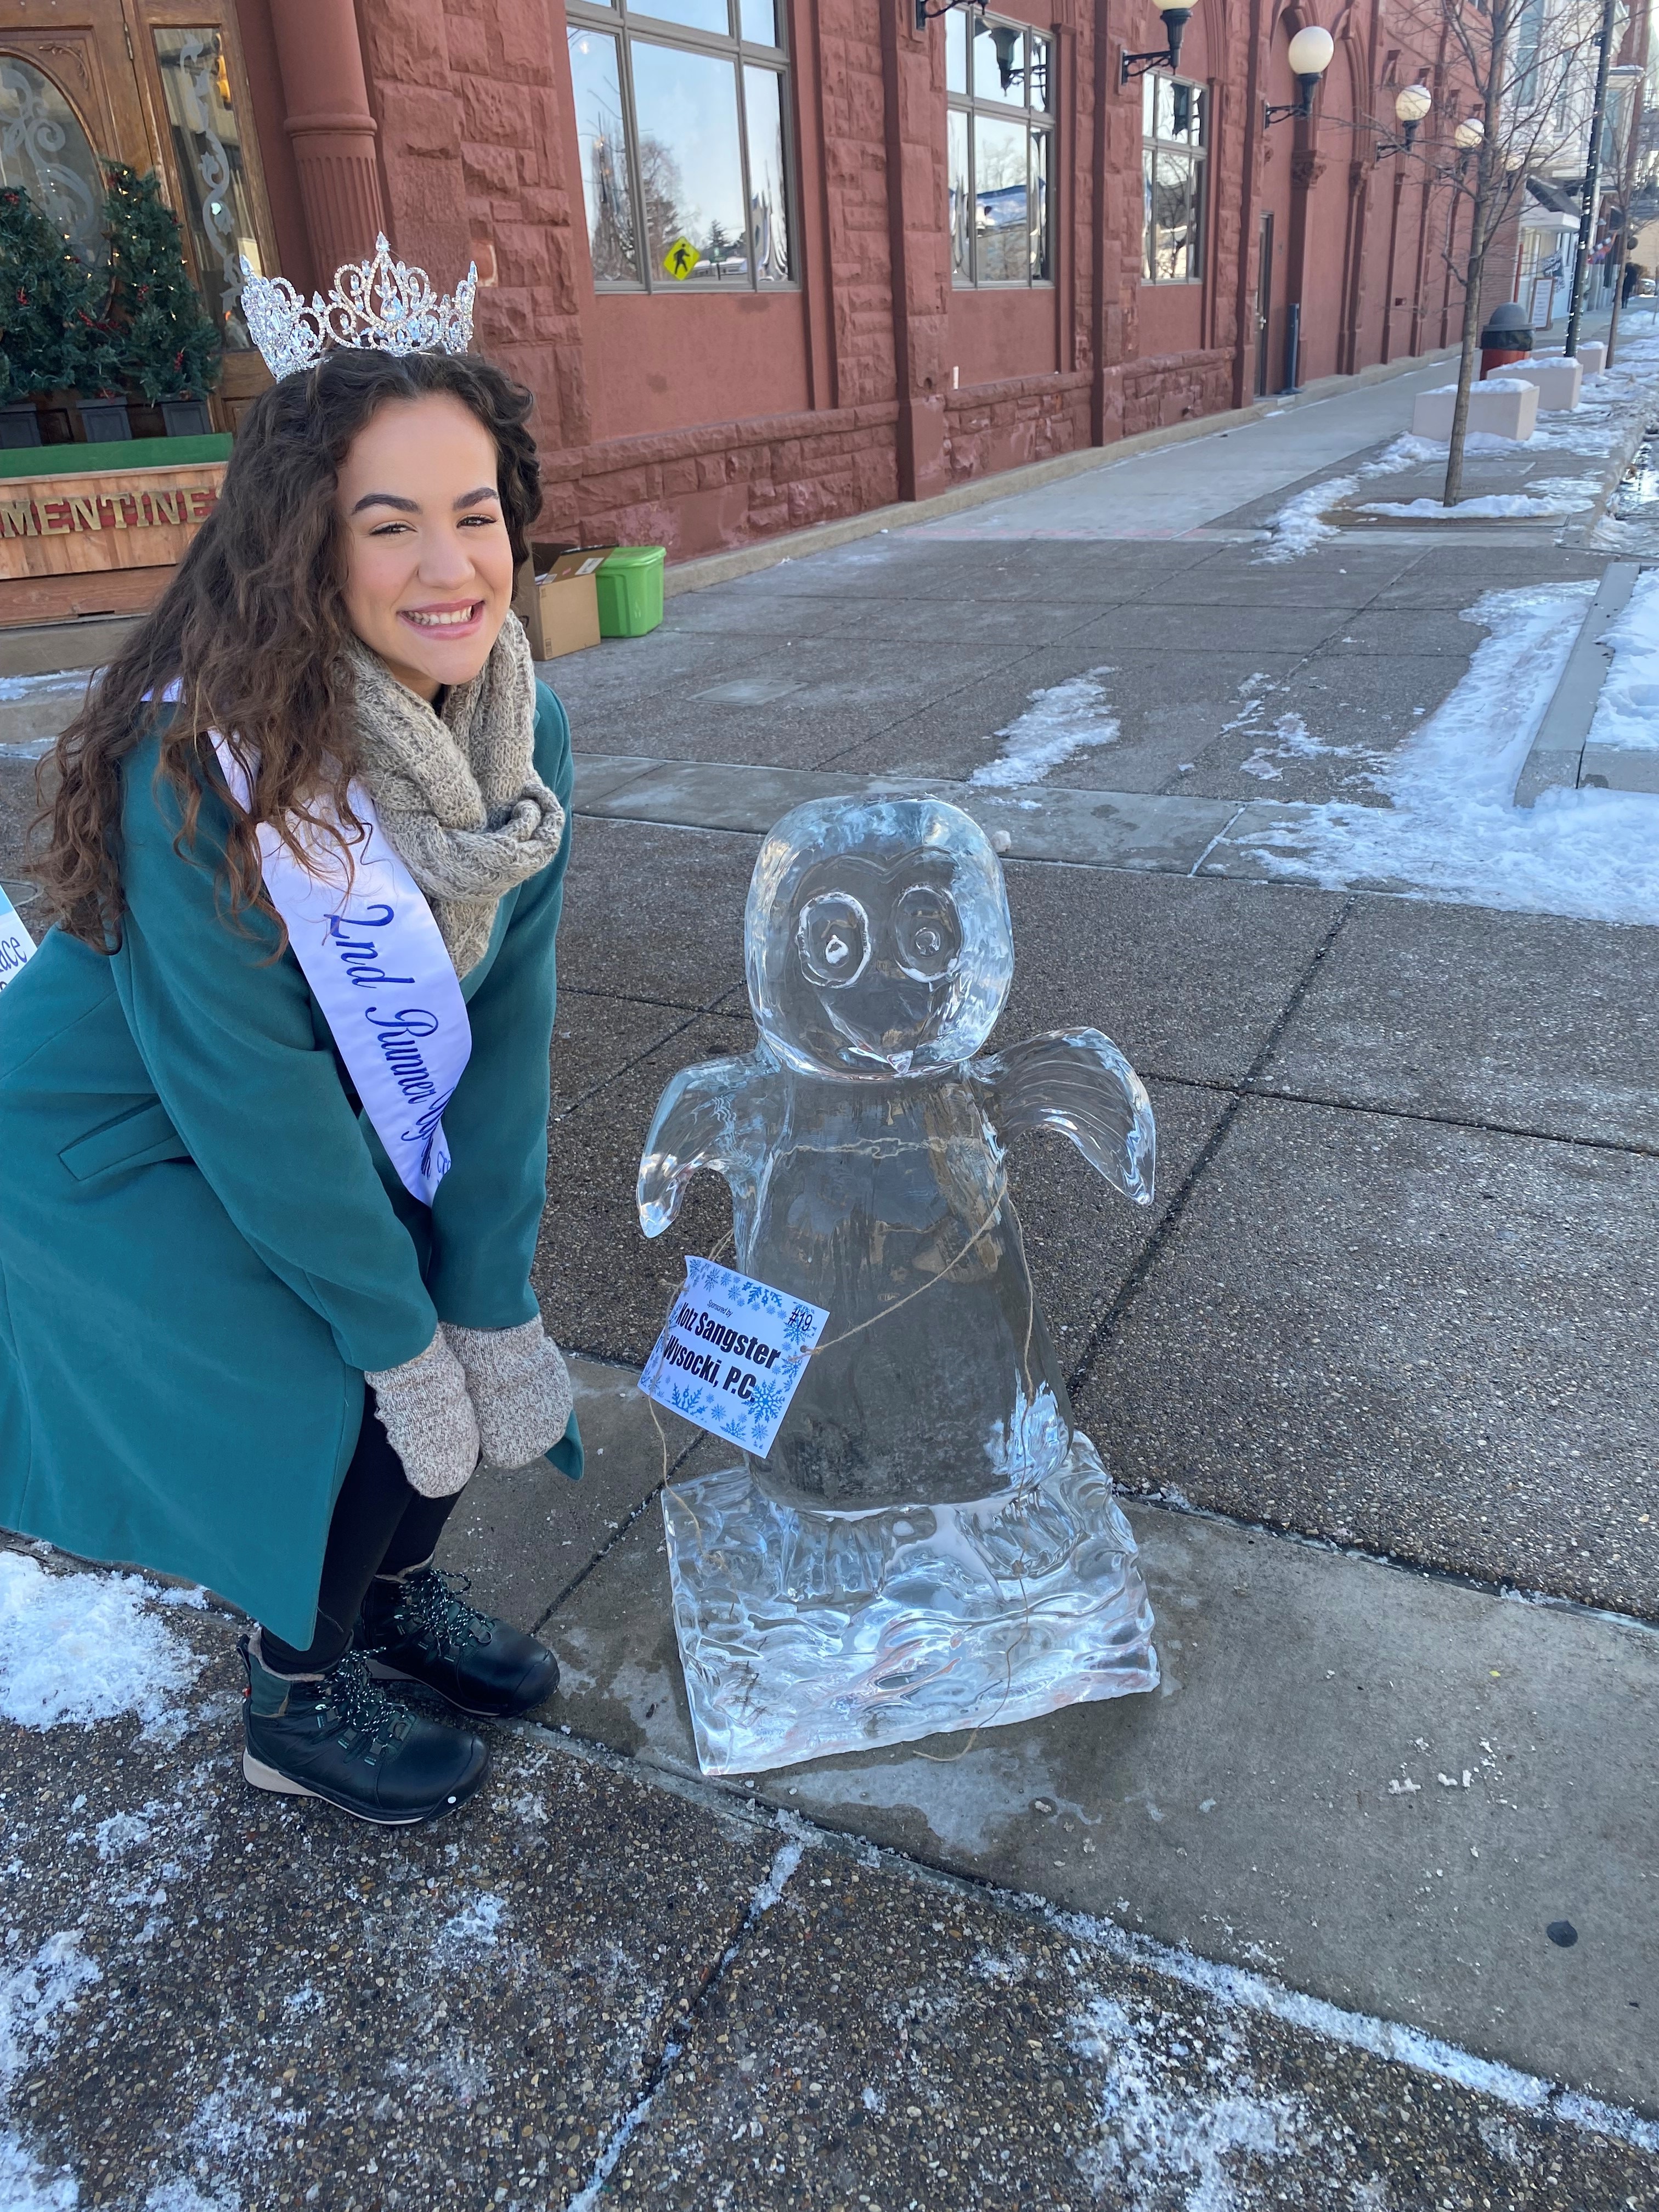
(382,305)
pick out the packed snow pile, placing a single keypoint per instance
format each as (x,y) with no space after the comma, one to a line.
(1300,524)
(1451,829)
(83,1648)
(1627,713)
(1554,495)
(1064,719)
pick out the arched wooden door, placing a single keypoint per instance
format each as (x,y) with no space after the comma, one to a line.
(160,84)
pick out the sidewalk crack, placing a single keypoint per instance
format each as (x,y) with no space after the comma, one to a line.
(1102,1332)
(785,1860)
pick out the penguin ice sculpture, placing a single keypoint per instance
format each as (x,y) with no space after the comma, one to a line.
(930,1543)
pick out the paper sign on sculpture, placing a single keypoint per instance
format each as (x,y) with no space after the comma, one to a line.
(927,1542)
(731,1355)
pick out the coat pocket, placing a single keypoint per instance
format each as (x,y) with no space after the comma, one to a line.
(137,1140)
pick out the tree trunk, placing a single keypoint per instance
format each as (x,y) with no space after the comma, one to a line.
(1488,176)
(1466,365)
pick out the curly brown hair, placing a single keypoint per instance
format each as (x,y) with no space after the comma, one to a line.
(250,638)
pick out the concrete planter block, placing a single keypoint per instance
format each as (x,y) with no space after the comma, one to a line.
(1501,407)
(1592,356)
(1560,382)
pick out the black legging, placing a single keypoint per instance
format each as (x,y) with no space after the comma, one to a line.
(379,1526)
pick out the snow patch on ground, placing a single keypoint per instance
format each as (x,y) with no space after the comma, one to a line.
(1551,495)
(1153,2136)
(1451,829)
(181,2195)
(1300,524)
(1294,741)
(57,683)
(1627,713)
(476,1927)
(33,1995)
(34,1998)
(1236,1988)
(1063,719)
(785,1861)
(25,2188)
(83,1648)
(1291,737)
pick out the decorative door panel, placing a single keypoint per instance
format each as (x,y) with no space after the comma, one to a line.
(67,91)
(201,116)
(158,84)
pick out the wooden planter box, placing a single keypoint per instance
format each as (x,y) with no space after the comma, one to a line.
(97,540)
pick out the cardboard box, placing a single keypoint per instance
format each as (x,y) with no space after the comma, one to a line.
(556,599)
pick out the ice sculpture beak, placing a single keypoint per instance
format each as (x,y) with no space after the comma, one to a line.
(892,1016)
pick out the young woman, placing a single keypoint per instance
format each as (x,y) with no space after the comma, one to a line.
(252,1331)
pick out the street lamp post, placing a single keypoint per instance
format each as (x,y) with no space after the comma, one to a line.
(1629,77)
(1308,54)
(1592,180)
(1411,104)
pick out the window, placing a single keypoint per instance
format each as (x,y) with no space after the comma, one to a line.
(1174,124)
(999,80)
(207,145)
(46,152)
(684,147)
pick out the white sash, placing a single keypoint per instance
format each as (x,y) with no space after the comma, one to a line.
(16,945)
(371,952)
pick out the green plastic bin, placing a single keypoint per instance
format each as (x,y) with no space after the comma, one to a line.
(629,584)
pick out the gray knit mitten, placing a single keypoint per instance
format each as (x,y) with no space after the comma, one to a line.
(519,1386)
(424,1409)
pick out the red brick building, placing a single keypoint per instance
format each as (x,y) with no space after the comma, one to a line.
(767,262)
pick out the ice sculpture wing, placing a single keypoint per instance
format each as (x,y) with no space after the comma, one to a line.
(695,1126)
(1077,1081)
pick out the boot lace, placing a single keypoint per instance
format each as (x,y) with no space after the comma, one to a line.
(433,1610)
(363,1705)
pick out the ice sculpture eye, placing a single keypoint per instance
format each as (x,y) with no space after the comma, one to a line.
(927,931)
(834,937)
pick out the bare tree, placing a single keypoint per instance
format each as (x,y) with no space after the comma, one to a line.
(1511,78)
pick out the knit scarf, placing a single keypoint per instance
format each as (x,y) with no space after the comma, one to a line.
(457,791)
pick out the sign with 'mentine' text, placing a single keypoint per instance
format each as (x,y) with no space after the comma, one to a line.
(731,1355)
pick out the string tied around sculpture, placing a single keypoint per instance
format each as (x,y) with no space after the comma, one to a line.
(1003,1195)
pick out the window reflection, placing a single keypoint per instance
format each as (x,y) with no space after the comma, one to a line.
(1000,146)
(697,14)
(44,152)
(207,144)
(1173,121)
(685,152)
(768,209)
(685,107)
(611,239)
(999,49)
(1000,219)
(955,51)
(961,199)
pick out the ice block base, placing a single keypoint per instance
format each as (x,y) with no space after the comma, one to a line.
(807,1633)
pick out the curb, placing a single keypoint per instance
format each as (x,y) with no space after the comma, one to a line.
(1558,749)
(825,536)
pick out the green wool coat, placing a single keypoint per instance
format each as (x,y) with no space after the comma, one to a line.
(201,1243)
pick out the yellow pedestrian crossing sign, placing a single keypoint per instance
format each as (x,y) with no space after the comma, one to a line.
(680,260)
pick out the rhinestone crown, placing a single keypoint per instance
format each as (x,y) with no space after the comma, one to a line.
(382,305)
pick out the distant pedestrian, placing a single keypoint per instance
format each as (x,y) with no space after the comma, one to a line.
(252,1333)
(1633,275)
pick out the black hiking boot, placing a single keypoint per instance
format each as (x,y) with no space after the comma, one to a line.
(417,1627)
(338,1736)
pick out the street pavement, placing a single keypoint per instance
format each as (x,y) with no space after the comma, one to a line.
(1357,1910)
